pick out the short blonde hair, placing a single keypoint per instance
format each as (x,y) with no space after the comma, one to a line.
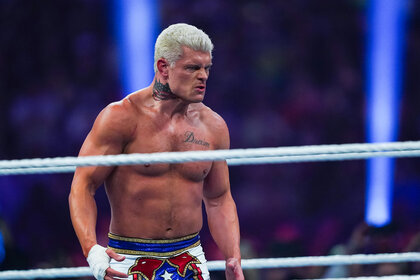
(170,41)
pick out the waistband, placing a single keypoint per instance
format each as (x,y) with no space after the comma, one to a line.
(152,247)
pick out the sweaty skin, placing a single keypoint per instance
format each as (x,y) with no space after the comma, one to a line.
(159,201)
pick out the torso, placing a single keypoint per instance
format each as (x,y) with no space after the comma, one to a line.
(161,200)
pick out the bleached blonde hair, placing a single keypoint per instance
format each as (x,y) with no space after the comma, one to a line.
(170,41)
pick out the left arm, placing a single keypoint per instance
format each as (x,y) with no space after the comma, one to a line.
(221,210)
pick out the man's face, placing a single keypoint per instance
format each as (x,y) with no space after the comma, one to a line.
(187,79)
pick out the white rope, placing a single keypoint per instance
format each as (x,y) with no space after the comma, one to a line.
(220,265)
(232,162)
(65,272)
(322,261)
(234,157)
(37,170)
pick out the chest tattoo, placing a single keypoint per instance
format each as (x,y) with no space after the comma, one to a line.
(189,138)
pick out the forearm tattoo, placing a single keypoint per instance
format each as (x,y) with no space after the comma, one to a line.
(162,91)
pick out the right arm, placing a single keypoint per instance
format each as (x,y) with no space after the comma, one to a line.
(110,133)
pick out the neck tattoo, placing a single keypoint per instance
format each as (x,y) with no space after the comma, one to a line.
(162,92)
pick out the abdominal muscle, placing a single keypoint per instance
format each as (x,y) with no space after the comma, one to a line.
(161,206)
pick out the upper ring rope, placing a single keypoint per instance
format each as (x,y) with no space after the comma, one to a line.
(246,264)
(233,157)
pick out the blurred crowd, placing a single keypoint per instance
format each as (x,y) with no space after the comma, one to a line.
(286,73)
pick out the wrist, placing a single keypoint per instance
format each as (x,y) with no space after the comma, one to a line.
(86,249)
(235,255)
(234,258)
(98,261)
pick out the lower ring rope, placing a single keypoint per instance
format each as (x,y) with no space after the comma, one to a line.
(322,261)
(246,264)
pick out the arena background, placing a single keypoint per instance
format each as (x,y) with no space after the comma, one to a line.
(286,73)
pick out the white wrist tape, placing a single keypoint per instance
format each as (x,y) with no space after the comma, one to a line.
(98,261)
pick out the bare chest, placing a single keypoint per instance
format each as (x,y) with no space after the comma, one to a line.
(152,138)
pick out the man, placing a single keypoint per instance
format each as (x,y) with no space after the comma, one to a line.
(156,209)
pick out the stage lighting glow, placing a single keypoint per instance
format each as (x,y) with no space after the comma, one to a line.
(136,28)
(386,20)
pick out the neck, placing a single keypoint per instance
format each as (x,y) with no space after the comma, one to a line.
(166,101)
(162,91)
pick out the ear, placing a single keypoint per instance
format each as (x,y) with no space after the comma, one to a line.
(163,66)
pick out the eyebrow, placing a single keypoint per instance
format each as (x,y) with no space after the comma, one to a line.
(199,65)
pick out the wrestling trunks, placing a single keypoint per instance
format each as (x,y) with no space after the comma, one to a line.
(147,259)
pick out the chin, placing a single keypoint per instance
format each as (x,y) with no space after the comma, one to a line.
(197,98)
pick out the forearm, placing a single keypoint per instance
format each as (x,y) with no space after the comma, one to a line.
(83,215)
(224,226)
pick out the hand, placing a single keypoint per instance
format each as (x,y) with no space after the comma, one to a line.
(233,270)
(110,273)
(99,258)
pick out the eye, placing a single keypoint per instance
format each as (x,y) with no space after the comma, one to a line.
(192,67)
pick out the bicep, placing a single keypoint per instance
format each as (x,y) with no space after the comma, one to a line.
(216,184)
(94,176)
(106,138)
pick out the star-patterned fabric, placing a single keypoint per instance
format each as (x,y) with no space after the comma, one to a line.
(180,267)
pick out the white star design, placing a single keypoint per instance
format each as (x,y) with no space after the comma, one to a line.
(167,276)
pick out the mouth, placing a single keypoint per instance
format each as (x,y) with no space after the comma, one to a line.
(201,88)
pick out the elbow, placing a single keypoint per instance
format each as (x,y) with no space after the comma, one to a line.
(70,198)
(219,201)
(80,190)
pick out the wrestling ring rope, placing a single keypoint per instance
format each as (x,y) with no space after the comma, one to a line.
(233,157)
(246,264)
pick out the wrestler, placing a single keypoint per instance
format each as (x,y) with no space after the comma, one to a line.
(156,209)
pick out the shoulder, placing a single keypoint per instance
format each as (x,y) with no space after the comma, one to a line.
(118,112)
(117,118)
(216,125)
(213,120)
(126,108)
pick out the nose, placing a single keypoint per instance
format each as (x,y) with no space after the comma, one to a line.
(203,75)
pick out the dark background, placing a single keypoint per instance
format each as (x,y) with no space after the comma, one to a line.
(286,73)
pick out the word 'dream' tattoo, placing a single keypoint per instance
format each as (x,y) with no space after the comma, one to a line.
(162,92)
(189,138)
